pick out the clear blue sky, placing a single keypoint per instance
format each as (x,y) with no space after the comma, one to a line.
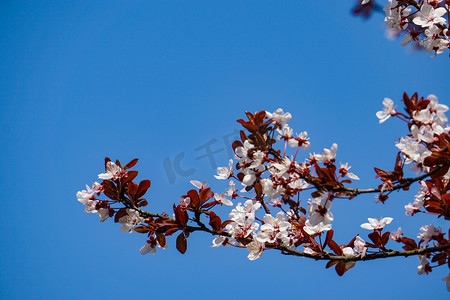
(81,80)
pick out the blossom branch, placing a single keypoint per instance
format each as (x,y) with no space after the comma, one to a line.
(331,257)
(405,183)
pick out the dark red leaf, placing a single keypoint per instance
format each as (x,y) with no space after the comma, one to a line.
(181,243)
(331,263)
(107,159)
(110,189)
(205,194)
(193,195)
(335,247)
(131,164)
(340,268)
(329,237)
(385,237)
(214,221)
(244,137)
(142,229)
(258,189)
(172,230)
(132,189)
(144,185)
(225,223)
(129,176)
(376,238)
(161,239)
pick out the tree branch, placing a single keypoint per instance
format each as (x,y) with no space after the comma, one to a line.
(325,256)
(329,256)
(406,182)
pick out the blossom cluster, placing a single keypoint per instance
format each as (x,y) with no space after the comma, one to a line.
(288,193)
(422,22)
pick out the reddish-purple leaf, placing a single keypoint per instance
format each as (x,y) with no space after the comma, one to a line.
(329,237)
(131,164)
(161,239)
(331,263)
(181,243)
(340,268)
(144,185)
(335,247)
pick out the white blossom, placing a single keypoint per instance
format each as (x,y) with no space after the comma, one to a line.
(221,199)
(224,172)
(256,249)
(429,16)
(360,246)
(423,264)
(279,116)
(319,228)
(388,110)
(376,224)
(428,232)
(130,220)
(319,210)
(348,252)
(112,171)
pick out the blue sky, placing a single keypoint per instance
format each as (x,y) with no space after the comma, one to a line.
(81,80)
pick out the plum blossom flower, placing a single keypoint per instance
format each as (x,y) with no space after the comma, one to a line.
(396,17)
(279,116)
(424,133)
(412,149)
(218,240)
(285,132)
(328,155)
(273,228)
(430,16)
(231,189)
(424,265)
(428,232)
(86,197)
(376,224)
(103,213)
(438,109)
(150,246)
(221,199)
(198,184)
(112,171)
(244,219)
(344,171)
(387,111)
(348,252)
(243,151)
(419,199)
(302,141)
(248,210)
(319,228)
(224,172)
(256,249)
(360,246)
(130,220)
(319,210)
(397,235)
(185,201)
